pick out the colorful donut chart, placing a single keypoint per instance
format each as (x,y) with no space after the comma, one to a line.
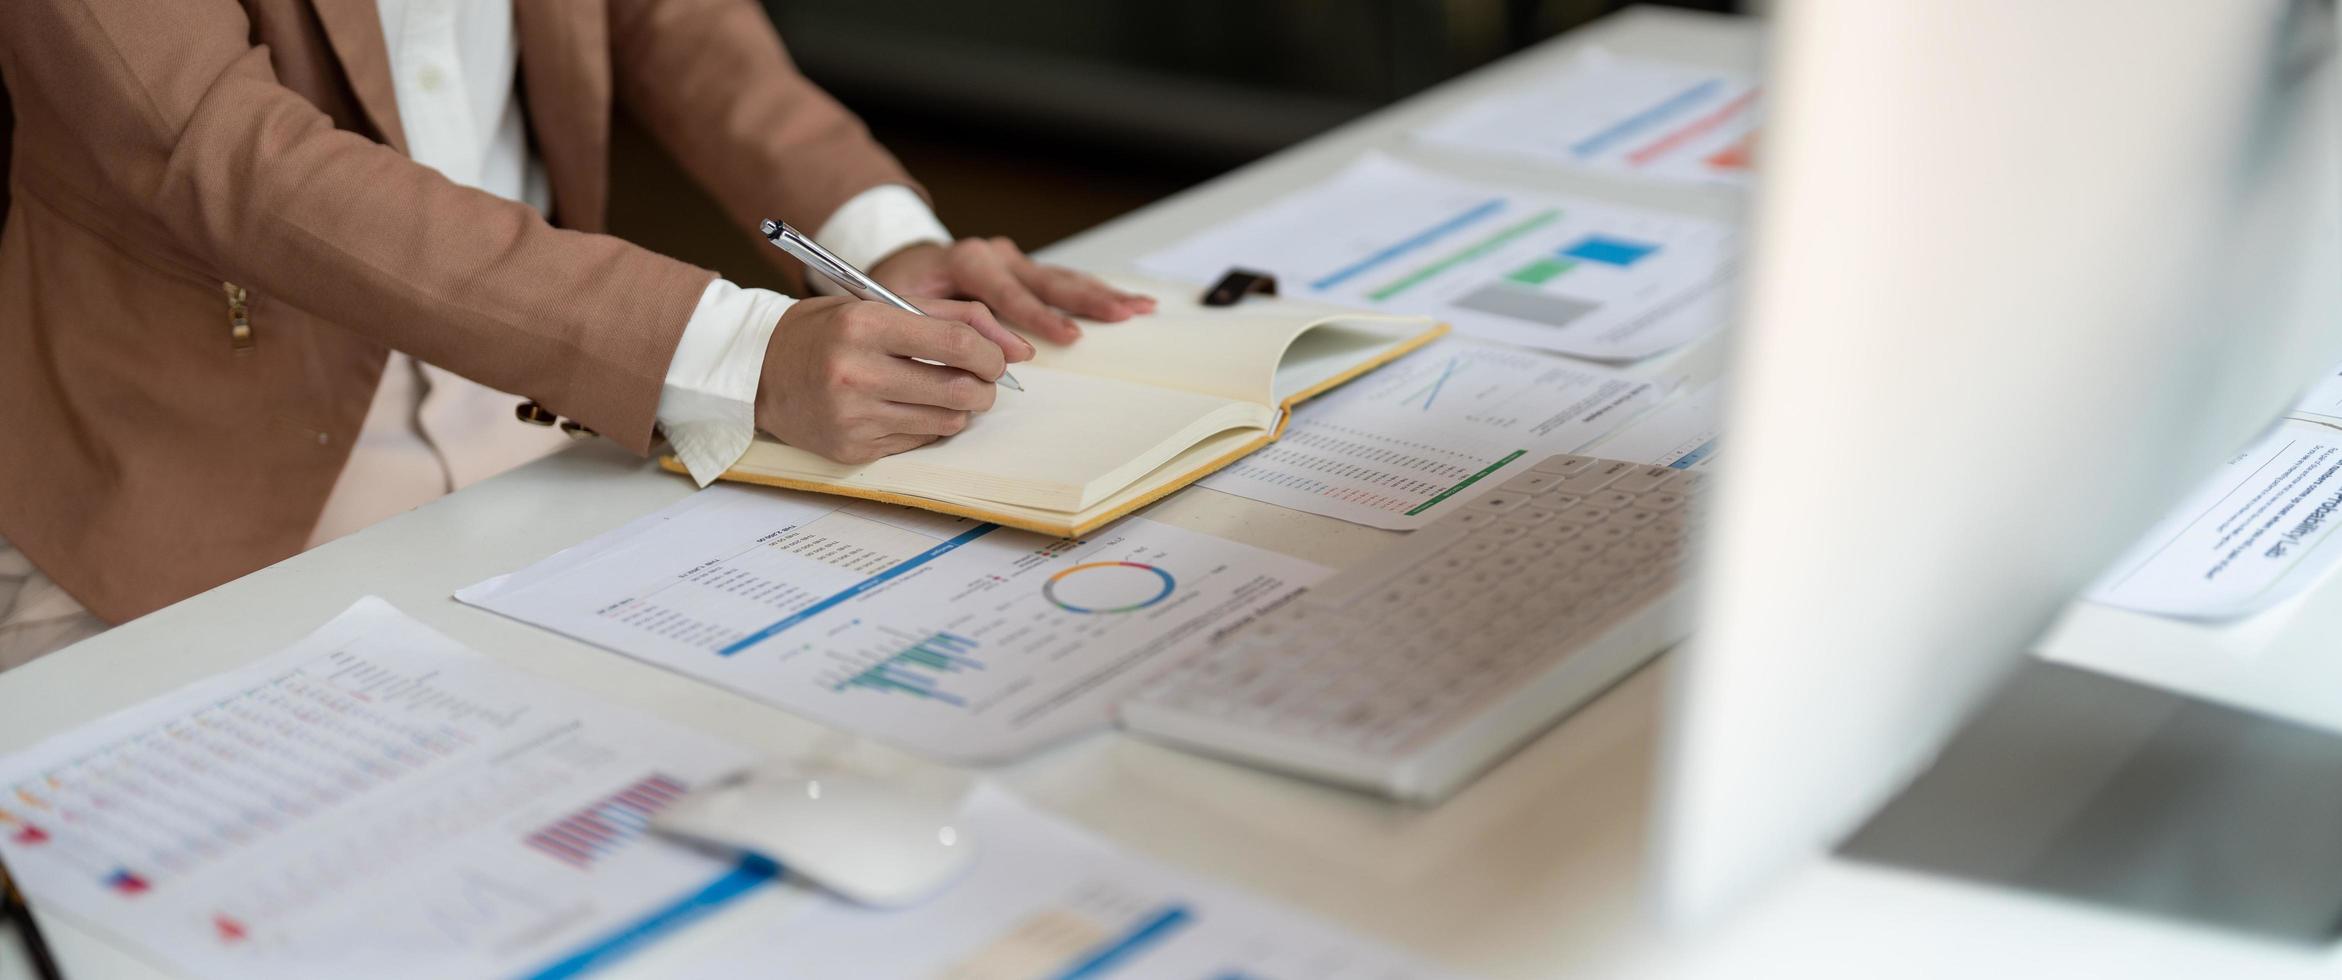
(1093,592)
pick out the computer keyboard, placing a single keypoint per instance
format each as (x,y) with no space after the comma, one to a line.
(1415,670)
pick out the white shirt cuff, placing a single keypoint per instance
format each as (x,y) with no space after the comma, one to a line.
(708,404)
(876,224)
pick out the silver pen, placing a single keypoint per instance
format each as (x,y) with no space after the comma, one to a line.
(848,278)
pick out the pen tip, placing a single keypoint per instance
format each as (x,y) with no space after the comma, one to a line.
(769,227)
(1009,382)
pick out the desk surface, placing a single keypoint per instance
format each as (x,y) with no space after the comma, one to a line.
(1533,870)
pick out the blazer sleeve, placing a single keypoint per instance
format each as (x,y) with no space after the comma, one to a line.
(711,81)
(181,121)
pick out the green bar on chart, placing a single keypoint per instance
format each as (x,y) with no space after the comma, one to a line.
(1536,273)
(1483,247)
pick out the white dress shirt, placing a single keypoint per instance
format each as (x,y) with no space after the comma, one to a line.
(429,432)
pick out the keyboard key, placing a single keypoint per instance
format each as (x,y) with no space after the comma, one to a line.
(1642,479)
(1586,514)
(1477,546)
(1611,499)
(1565,465)
(1579,549)
(1663,500)
(1558,530)
(1533,515)
(1450,564)
(1636,516)
(1595,477)
(1610,533)
(1499,502)
(1531,483)
(1472,519)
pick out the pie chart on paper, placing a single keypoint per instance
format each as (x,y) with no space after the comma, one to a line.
(1108,587)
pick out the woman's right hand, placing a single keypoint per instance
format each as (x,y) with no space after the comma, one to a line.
(839,379)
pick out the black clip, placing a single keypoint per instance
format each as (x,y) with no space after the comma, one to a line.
(1237,284)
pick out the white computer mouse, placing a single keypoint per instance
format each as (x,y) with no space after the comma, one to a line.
(876,842)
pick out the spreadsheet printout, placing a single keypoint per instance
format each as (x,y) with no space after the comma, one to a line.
(376,800)
(1425,435)
(958,639)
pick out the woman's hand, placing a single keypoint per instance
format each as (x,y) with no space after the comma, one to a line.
(839,379)
(993,271)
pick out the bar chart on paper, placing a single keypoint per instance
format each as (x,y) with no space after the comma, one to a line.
(1619,114)
(922,668)
(1431,431)
(1578,277)
(963,640)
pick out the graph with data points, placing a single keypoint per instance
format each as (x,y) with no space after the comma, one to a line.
(975,643)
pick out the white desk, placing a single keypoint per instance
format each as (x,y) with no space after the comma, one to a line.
(1533,871)
(1526,873)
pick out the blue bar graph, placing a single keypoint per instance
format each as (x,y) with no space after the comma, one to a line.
(919,669)
(1647,118)
(1408,244)
(1608,250)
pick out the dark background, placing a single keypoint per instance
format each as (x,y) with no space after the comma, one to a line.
(1036,119)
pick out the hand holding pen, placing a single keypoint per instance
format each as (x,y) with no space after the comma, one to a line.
(854,281)
(855,381)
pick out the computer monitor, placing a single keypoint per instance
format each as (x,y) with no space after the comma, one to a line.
(2022,273)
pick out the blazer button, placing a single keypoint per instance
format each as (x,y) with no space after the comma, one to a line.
(534,414)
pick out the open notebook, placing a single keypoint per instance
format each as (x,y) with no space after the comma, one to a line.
(1133,411)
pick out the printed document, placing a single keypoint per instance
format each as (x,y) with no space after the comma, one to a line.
(1046,899)
(376,800)
(1619,114)
(1424,435)
(2260,531)
(1680,433)
(961,640)
(1575,276)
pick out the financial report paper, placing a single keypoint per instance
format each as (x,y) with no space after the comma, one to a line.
(961,640)
(1424,435)
(376,800)
(1575,276)
(1619,114)
(1046,899)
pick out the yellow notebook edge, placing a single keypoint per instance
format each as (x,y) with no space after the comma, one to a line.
(1076,529)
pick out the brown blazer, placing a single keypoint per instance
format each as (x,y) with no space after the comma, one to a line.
(166,149)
